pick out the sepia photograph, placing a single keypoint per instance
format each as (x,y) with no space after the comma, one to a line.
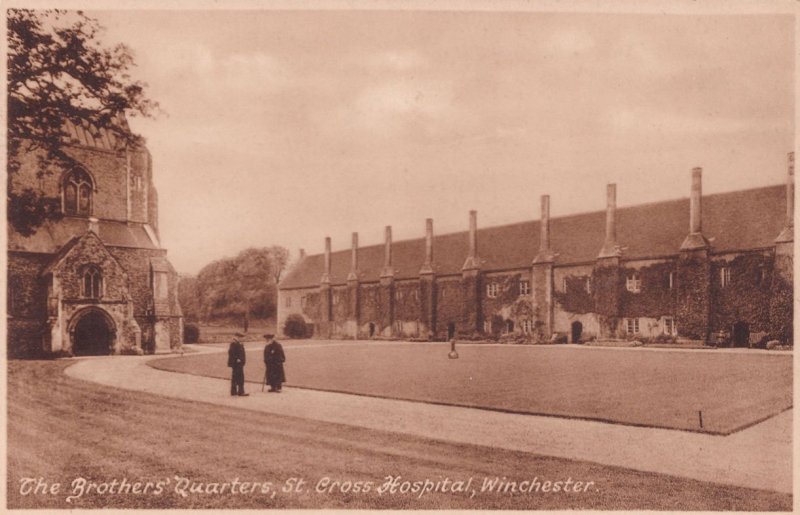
(443,255)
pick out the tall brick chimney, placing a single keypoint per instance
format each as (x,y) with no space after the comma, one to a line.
(472,262)
(388,270)
(545,251)
(326,274)
(787,234)
(353,275)
(695,239)
(427,266)
(610,247)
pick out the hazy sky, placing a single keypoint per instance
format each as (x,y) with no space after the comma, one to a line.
(284,127)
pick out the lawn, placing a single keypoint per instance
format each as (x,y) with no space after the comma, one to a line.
(629,386)
(62,430)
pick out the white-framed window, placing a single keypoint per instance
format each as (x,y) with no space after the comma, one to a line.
(398,295)
(527,326)
(668,326)
(524,287)
(633,283)
(564,284)
(398,326)
(589,285)
(725,276)
(492,289)
(632,325)
(487,326)
(670,280)
(335,299)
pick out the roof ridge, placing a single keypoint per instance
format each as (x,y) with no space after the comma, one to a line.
(552,219)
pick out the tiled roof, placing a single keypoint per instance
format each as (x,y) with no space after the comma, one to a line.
(738,220)
(87,134)
(53,235)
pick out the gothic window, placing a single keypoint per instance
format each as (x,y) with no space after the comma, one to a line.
(725,276)
(92,286)
(633,283)
(78,190)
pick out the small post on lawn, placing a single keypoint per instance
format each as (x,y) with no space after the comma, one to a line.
(453,354)
(700,414)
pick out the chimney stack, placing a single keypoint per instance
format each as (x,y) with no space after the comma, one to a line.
(610,248)
(353,275)
(388,271)
(472,258)
(545,253)
(787,234)
(326,275)
(695,239)
(427,266)
(301,255)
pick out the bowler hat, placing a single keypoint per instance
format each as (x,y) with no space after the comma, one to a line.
(239,335)
(269,336)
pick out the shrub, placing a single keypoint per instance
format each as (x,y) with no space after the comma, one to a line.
(296,327)
(191,333)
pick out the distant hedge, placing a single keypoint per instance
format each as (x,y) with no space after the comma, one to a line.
(296,327)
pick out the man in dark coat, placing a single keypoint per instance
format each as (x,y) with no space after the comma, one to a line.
(273,359)
(236,360)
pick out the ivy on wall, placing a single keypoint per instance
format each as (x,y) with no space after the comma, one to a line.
(692,295)
(655,298)
(781,300)
(607,285)
(747,297)
(575,299)
(406,301)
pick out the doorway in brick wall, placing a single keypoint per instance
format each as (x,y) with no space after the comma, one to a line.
(740,336)
(577,330)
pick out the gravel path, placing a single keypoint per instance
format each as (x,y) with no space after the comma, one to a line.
(757,457)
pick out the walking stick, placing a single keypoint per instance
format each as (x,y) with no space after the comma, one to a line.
(265,380)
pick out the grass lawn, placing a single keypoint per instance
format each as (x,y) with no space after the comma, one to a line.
(60,429)
(630,386)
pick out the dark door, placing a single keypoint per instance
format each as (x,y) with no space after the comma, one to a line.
(741,334)
(451,331)
(577,329)
(93,336)
(371,329)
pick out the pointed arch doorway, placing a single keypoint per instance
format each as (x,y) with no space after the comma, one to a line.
(93,333)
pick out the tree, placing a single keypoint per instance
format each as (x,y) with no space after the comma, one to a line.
(241,287)
(58,70)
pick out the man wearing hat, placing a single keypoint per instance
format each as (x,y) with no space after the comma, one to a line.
(273,359)
(236,360)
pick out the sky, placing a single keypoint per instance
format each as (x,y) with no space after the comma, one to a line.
(284,127)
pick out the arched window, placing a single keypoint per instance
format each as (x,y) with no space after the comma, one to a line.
(78,190)
(92,286)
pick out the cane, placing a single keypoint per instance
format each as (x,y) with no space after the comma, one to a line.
(265,381)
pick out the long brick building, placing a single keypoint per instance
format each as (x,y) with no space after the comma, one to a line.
(716,267)
(96,281)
